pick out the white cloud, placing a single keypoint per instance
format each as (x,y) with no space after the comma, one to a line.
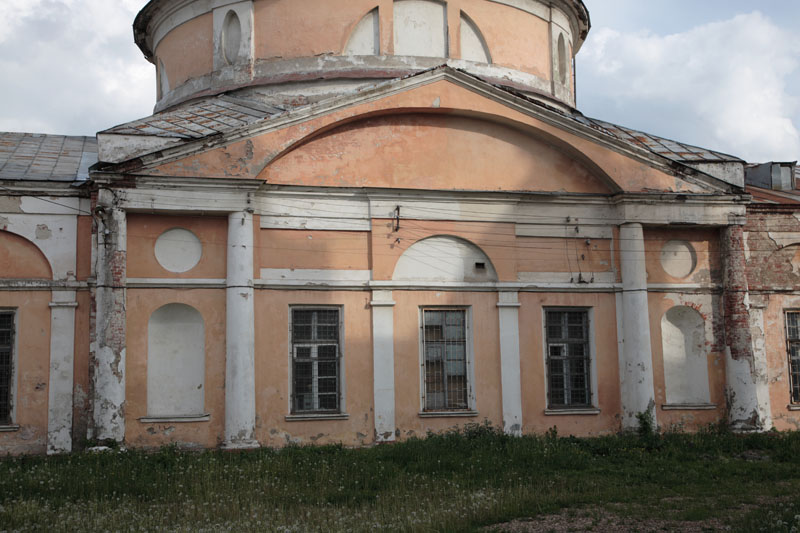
(72,66)
(722,85)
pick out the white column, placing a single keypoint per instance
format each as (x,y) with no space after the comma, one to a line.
(636,373)
(108,378)
(62,356)
(383,365)
(240,399)
(508,310)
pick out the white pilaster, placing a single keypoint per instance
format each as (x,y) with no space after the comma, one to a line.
(383,365)
(110,325)
(636,373)
(240,403)
(62,356)
(508,310)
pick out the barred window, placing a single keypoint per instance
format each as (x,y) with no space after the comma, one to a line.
(6,362)
(444,347)
(793,349)
(568,363)
(316,360)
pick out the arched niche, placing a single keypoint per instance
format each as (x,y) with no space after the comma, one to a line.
(473,45)
(420,28)
(22,259)
(683,337)
(444,258)
(366,37)
(176,365)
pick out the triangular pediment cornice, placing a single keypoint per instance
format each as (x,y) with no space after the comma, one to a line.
(525,105)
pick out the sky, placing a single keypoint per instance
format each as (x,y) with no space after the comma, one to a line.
(721,74)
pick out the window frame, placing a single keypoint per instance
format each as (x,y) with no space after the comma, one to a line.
(10,423)
(592,406)
(341,412)
(794,373)
(470,409)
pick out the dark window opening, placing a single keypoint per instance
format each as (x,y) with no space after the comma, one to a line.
(444,344)
(793,349)
(316,357)
(568,363)
(6,365)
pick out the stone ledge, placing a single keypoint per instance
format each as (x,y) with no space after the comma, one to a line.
(688,407)
(174,419)
(9,428)
(448,414)
(320,416)
(567,412)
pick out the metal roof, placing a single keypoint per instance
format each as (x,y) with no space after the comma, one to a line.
(40,157)
(195,120)
(769,196)
(676,151)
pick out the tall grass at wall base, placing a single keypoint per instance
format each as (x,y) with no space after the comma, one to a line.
(456,481)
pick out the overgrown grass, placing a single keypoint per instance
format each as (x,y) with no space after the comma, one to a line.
(450,482)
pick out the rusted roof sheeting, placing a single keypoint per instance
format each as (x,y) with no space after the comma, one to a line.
(768,196)
(199,119)
(676,151)
(40,157)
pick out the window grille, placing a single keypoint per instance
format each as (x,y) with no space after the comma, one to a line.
(315,360)
(793,349)
(568,363)
(444,343)
(6,362)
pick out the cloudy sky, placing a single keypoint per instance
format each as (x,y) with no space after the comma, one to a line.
(722,74)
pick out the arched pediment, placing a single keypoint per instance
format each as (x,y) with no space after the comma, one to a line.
(444,151)
(22,259)
(444,258)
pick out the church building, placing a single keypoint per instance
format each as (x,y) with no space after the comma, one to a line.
(360,221)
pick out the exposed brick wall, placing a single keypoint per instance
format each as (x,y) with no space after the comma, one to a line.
(735,301)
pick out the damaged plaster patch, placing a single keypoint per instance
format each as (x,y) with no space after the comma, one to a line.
(783,239)
(4,223)
(10,204)
(43,232)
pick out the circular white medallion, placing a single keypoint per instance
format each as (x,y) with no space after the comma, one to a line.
(178,250)
(678,258)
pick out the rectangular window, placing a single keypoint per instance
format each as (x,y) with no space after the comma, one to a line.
(793,348)
(316,360)
(568,363)
(6,362)
(444,348)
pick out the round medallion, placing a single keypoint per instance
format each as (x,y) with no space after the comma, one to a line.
(178,250)
(678,258)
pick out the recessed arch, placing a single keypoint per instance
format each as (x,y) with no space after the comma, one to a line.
(176,366)
(683,339)
(444,258)
(563,63)
(584,174)
(22,259)
(473,44)
(365,38)
(231,37)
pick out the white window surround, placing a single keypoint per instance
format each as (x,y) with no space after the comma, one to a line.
(342,414)
(471,410)
(594,409)
(11,424)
